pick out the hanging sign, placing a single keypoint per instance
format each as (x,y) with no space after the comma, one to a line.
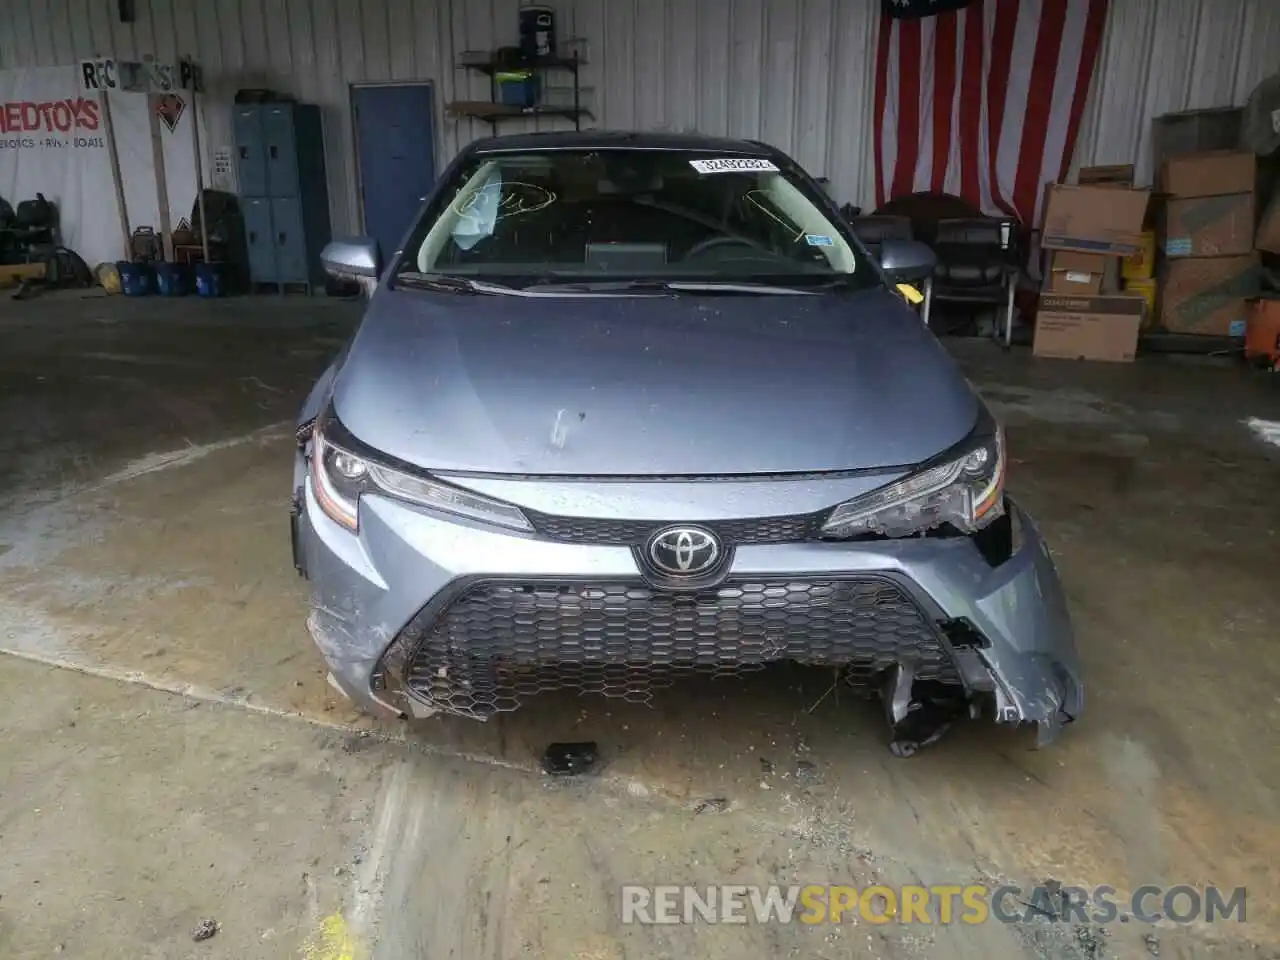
(164,77)
(148,76)
(108,73)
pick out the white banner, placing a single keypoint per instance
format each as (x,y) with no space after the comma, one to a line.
(52,141)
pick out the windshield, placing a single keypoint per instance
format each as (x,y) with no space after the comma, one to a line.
(632,215)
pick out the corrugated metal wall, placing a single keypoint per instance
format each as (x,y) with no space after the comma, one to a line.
(797,73)
(1163,56)
(793,72)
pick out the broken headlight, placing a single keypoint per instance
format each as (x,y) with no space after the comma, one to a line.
(964,492)
(339,478)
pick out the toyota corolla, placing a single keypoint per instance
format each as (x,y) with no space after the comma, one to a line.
(630,406)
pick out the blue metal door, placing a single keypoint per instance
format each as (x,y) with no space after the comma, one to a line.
(396,144)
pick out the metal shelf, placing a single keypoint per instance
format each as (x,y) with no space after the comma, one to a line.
(492,112)
(487,63)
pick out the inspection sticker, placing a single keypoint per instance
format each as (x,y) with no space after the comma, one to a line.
(734,165)
(818,240)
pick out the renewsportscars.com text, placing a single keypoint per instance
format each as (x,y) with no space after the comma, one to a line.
(938,904)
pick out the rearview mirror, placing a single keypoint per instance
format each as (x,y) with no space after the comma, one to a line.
(906,260)
(352,259)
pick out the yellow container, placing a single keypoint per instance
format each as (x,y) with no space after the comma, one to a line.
(109,276)
(1141,265)
(1147,290)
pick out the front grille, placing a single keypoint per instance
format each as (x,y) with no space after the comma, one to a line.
(499,643)
(794,528)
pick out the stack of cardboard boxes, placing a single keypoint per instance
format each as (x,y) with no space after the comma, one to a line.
(1210,268)
(1089,229)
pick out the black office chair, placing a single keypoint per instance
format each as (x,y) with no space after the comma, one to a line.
(977,263)
(34,229)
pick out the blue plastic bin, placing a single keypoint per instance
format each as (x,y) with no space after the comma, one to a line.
(211,280)
(519,88)
(135,278)
(173,279)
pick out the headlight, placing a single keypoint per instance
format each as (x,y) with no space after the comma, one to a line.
(965,493)
(340,477)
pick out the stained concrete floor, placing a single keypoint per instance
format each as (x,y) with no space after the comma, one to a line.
(169,751)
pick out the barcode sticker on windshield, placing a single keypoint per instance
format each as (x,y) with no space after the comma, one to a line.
(733,165)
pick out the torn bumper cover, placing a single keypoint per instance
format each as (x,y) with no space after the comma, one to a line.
(418,614)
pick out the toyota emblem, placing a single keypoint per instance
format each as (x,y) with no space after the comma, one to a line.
(684,551)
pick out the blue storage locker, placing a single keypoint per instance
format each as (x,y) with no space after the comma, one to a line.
(280,133)
(251,158)
(260,239)
(291,253)
(280,160)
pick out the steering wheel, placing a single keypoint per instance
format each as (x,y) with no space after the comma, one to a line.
(711,243)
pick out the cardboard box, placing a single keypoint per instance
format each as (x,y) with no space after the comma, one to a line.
(1094,219)
(1076,273)
(1210,174)
(1088,328)
(1209,226)
(1208,295)
(1112,175)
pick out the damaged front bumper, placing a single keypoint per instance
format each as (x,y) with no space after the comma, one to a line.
(1004,628)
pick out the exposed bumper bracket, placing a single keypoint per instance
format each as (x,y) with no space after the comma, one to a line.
(916,723)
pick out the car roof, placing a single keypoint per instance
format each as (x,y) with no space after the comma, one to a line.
(621,140)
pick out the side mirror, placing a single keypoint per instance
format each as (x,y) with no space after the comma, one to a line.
(353,259)
(905,261)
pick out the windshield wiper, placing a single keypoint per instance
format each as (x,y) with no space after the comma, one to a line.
(447,283)
(671,286)
(738,286)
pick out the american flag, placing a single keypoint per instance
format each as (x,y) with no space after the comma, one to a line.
(982,99)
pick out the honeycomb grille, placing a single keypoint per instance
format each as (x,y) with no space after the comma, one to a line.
(795,528)
(499,643)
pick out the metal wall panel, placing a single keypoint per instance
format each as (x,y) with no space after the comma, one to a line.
(798,73)
(793,72)
(1163,56)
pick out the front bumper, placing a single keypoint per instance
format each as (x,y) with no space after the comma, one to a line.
(412,614)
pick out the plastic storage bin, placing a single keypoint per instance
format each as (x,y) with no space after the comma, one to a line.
(1146,289)
(518,88)
(1141,265)
(173,279)
(211,280)
(135,278)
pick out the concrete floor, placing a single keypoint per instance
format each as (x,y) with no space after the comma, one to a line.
(169,751)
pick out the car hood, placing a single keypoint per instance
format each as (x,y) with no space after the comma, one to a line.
(644,386)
